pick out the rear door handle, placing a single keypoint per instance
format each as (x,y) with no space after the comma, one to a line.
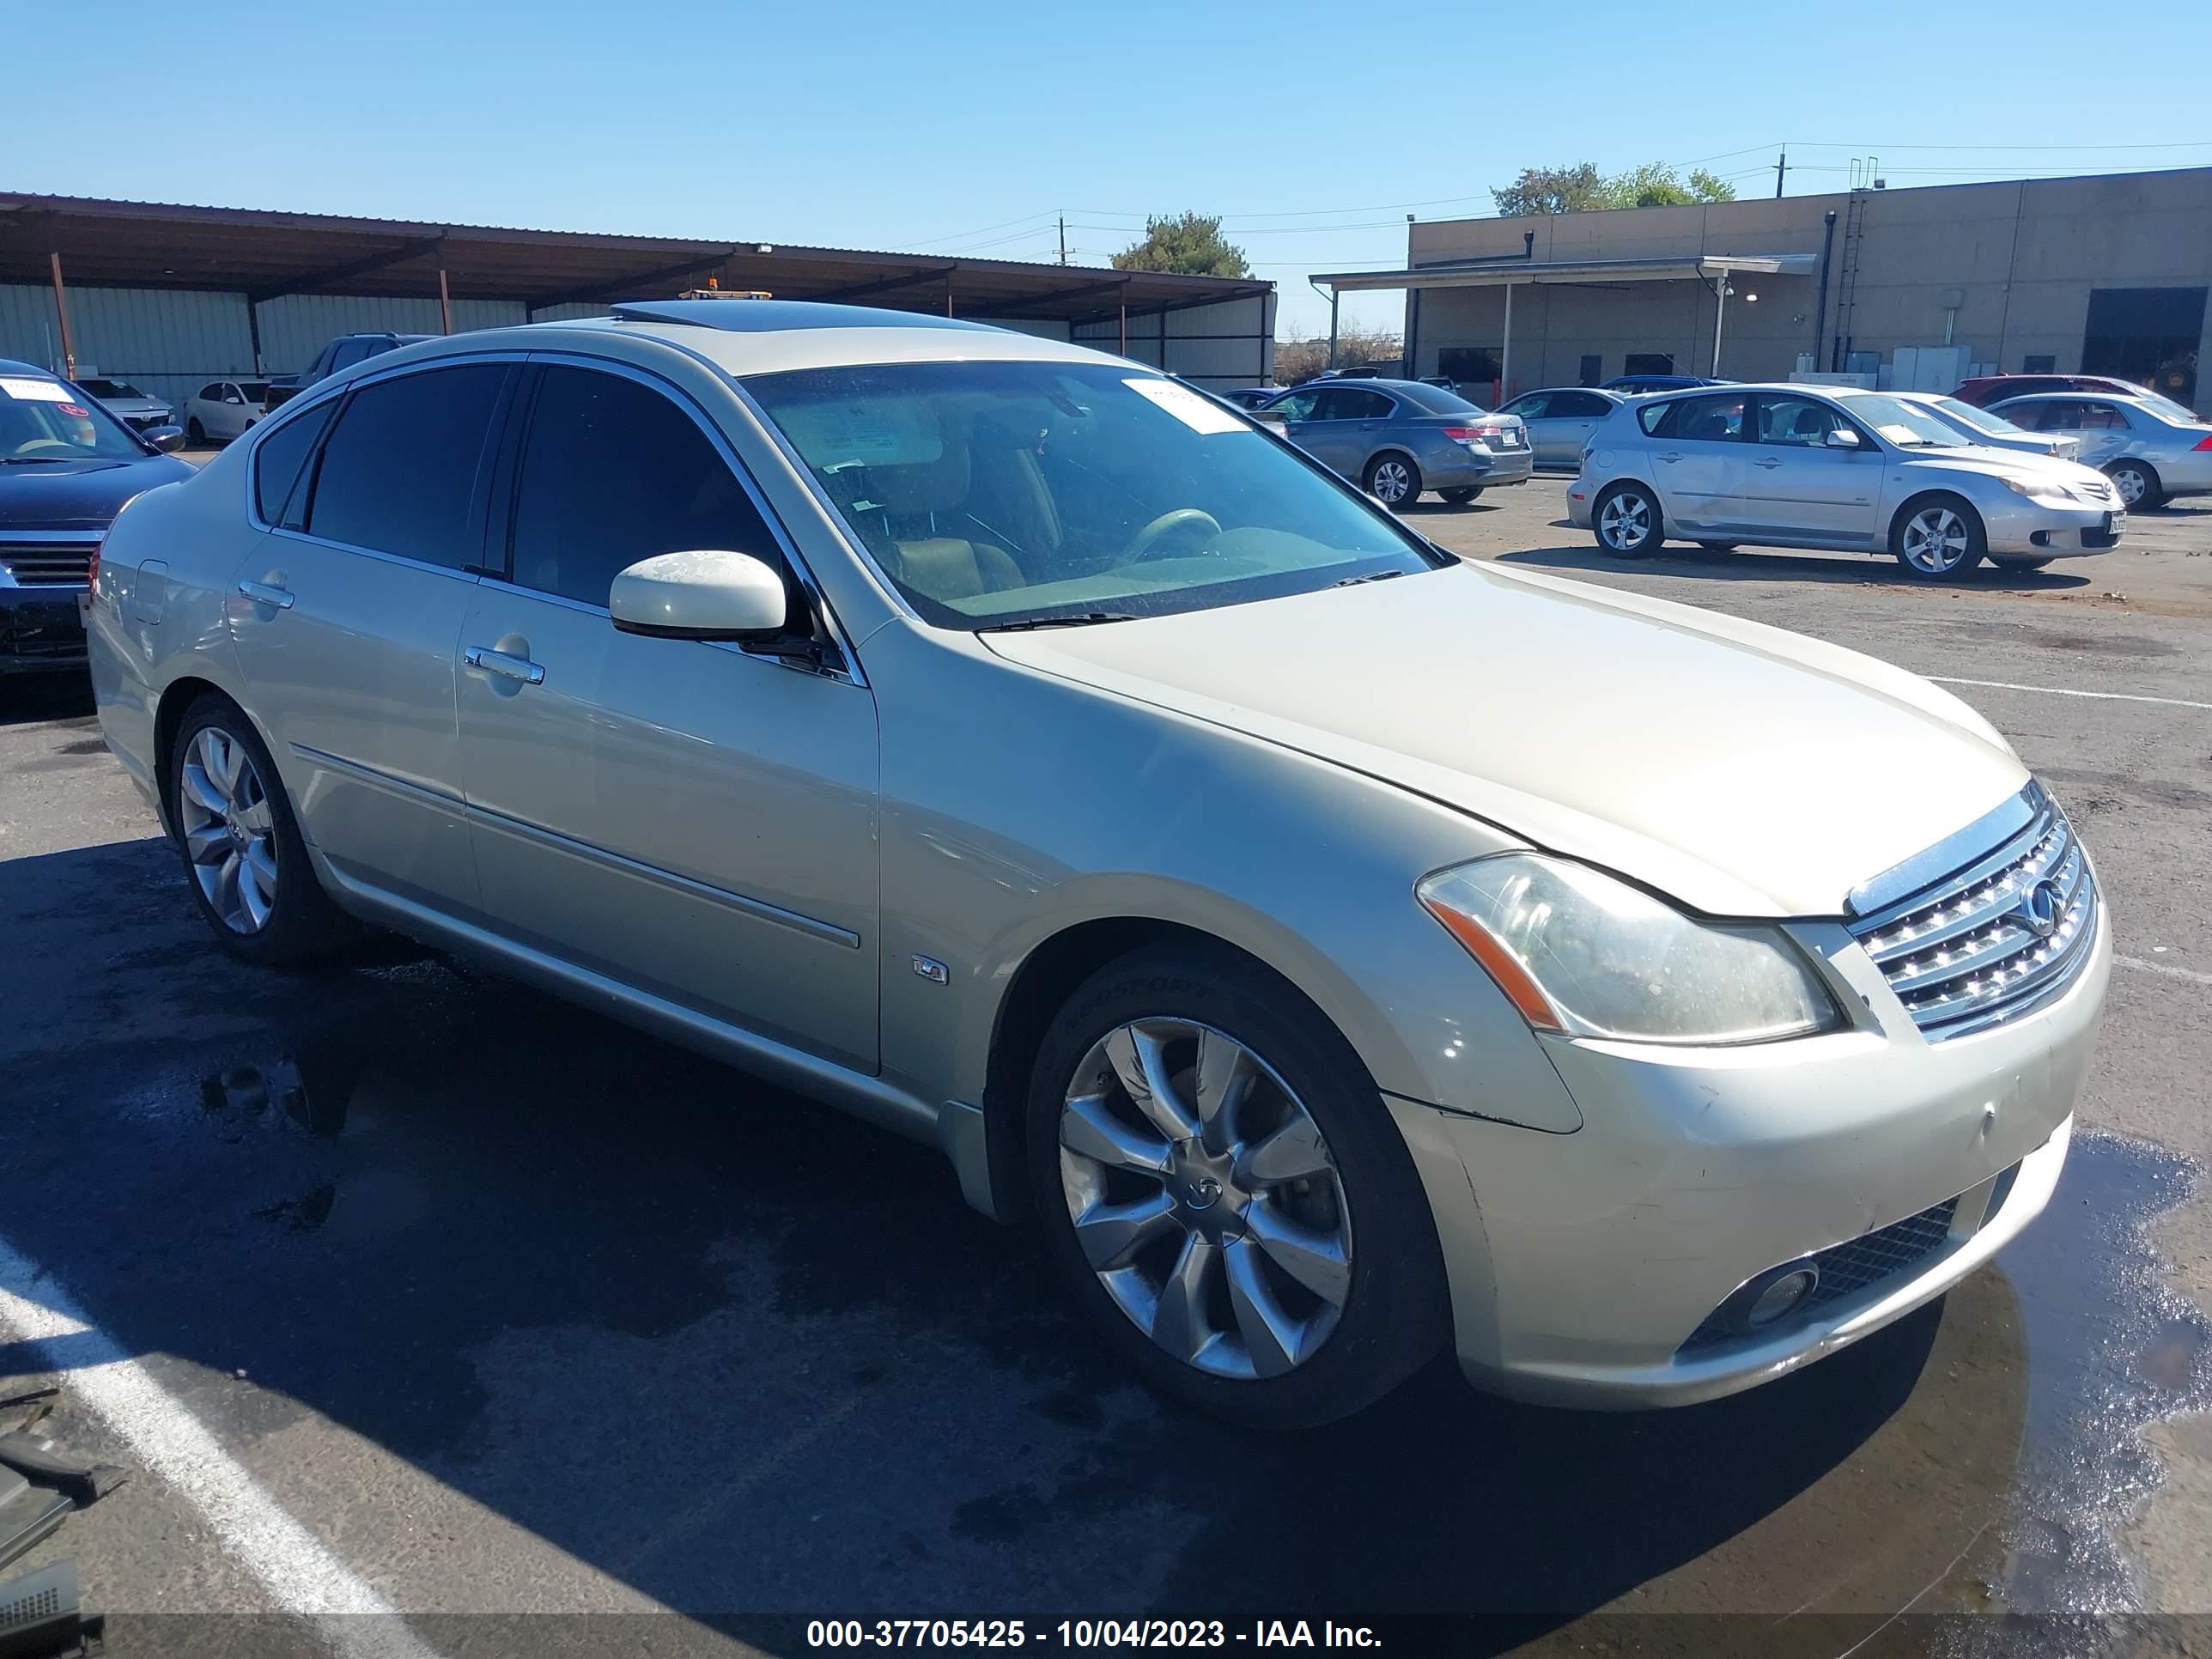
(1767,461)
(264,594)
(498,662)
(1671,455)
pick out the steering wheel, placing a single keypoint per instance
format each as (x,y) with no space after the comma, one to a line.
(38,444)
(1141,544)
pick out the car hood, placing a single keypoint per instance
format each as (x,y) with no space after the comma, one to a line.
(80,494)
(1744,770)
(134,405)
(1995,463)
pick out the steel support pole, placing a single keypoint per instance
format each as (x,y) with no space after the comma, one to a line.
(1720,310)
(1333,297)
(445,297)
(61,308)
(1505,352)
(1124,328)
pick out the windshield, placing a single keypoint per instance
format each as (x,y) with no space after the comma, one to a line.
(41,422)
(1000,492)
(111,388)
(1903,424)
(1980,419)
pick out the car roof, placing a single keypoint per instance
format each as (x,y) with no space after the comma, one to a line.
(10,366)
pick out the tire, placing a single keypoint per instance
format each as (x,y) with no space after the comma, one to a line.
(2138,485)
(1627,522)
(1460,495)
(1392,479)
(1720,547)
(245,862)
(1251,1342)
(195,434)
(1937,538)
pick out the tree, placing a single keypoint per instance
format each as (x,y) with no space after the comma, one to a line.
(1582,189)
(1300,357)
(1189,244)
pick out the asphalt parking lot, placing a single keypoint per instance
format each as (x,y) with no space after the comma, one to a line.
(507,1312)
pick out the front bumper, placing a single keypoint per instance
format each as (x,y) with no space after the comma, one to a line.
(2022,528)
(1580,1265)
(41,631)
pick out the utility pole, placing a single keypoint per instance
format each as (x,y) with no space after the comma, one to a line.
(1063,236)
(1781,166)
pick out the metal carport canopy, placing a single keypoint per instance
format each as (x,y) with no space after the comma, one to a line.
(1510,273)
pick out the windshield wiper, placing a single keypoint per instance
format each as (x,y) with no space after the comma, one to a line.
(1371,576)
(38,461)
(1082,619)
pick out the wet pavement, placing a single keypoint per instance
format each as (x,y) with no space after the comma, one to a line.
(523,1312)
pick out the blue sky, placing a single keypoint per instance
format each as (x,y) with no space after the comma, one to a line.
(968,128)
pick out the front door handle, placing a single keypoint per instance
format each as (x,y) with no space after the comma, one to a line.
(498,662)
(1767,461)
(267,593)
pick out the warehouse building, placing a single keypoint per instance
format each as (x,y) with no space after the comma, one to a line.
(169,298)
(1917,288)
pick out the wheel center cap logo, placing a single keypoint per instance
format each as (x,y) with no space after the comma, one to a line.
(1201,1192)
(2039,907)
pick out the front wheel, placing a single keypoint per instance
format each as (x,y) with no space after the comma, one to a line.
(1224,1195)
(195,434)
(2139,487)
(1627,521)
(1461,494)
(1394,480)
(1938,537)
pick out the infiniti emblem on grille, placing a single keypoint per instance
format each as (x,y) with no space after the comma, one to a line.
(2039,907)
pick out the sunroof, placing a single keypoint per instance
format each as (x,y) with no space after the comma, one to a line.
(774,316)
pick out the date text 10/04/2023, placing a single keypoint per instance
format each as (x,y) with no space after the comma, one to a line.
(1083,1634)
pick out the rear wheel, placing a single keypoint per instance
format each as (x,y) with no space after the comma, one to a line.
(1224,1195)
(1627,521)
(1460,495)
(1935,537)
(2139,488)
(241,845)
(1394,480)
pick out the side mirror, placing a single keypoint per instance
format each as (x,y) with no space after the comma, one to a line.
(1841,437)
(703,595)
(164,438)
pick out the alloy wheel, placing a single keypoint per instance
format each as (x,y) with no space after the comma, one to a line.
(230,834)
(2129,481)
(1392,482)
(1935,541)
(1624,523)
(1205,1199)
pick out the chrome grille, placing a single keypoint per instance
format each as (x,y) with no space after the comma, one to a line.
(1967,952)
(2096,492)
(57,564)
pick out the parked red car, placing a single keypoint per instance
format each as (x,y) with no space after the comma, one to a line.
(1988,389)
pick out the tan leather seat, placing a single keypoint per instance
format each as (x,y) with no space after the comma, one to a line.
(913,498)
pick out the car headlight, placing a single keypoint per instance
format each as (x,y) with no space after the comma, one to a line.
(1585,954)
(2045,490)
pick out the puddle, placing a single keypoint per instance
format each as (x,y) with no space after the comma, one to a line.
(462,1221)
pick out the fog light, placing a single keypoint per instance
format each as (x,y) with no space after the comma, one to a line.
(1782,1293)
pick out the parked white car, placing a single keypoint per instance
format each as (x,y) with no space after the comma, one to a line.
(135,409)
(1814,467)
(221,410)
(1992,431)
(1342,950)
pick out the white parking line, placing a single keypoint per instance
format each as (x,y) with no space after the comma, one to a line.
(2189,974)
(2062,691)
(304,1578)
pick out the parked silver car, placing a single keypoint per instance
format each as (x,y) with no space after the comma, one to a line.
(2150,447)
(1397,438)
(220,411)
(1832,467)
(1341,950)
(1560,420)
(1991,430)
(135,409)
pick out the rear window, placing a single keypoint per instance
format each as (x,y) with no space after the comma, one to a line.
(399,473)
(1437,400)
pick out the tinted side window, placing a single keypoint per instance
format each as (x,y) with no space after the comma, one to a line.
(1795,421)
(1299,406)
(278,461)
(1658,420)
(1713,419)
(1531,406)
(1579,406)
(212,393)
(399,473)
(612,472)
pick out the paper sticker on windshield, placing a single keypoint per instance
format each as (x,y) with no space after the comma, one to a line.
(1199,414)
(33,392)
(1898,433)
